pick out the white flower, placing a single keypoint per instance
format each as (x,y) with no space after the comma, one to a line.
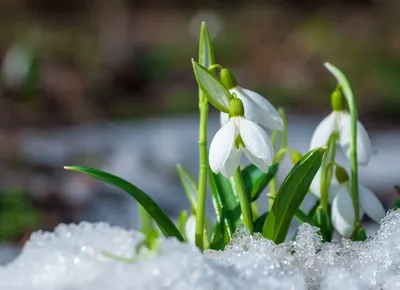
(256,108)
(340,121)
(237,136)
(342,212)
(190,230)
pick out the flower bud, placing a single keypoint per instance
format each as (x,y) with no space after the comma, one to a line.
(295,156)
(338,100)
(236,108)
(228,79)
(341,174)
(359,233)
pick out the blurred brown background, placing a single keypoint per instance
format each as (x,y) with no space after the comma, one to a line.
(70,64)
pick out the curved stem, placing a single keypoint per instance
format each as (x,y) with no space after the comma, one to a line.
(240,191)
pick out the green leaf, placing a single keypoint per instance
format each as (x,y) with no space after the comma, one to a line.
(147,222)
(189,185)
(182,219)
(163,221)
(260,222)
(323,221)
(291,194)
(214,90)
(226,202)
(359,234)
(206,52)
(217,237)
(255,180)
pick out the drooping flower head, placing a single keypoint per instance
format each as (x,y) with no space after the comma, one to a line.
(239,135)
(339,121)
(256,107)
(339,193)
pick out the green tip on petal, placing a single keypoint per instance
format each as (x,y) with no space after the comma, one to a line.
(236,108)
(228,79)
(341,174)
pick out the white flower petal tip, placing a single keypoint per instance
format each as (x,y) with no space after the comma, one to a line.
(259,149)
(343,214)
(323,131)
(190,230)
(258,109)
(371,204)
(221,147)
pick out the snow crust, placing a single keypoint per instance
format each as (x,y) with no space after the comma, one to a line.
(71,258)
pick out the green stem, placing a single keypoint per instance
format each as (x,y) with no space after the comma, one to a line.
(327,169)
(273,184)
(244,202)
(353,159)
(201,197)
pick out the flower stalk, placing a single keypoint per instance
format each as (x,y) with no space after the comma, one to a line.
(273,184)
(240,191)
(206,58)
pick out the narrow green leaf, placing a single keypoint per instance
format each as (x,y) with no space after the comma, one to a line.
(189,185)
(260,222)
(147,222)
(323,221)
(291,194)
(163,221)
(226,202)
(255,181)
(206,52)
(217,237)
(182,219)
(215,91)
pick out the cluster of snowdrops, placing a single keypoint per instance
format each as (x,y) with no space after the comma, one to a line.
(245,116)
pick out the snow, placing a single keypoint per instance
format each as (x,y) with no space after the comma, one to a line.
(71,258)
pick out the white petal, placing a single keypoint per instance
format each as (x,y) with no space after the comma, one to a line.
(190,230)
(257,143)
(221,146)
(343,213)
(371,204)
(223,118)
(232,163)
(364,147)
(258,109)
(323,131)
(260,163)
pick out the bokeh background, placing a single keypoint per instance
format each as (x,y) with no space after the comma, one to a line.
(109,84)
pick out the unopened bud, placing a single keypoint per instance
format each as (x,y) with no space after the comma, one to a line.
(228,79)
(295,156)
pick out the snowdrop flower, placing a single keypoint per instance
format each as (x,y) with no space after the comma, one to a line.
(239,135)
(256,107)
(339,121)
(339,193)
(190,230)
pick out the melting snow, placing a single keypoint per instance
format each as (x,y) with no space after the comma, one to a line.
(71,259)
